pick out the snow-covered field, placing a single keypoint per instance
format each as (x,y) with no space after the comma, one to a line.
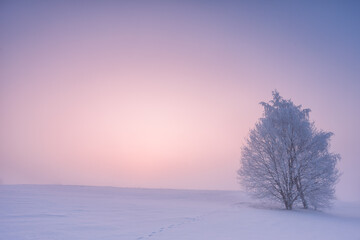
(46,212)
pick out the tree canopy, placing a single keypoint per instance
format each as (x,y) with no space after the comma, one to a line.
(287,159)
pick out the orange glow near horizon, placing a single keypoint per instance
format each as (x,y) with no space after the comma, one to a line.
(114,132)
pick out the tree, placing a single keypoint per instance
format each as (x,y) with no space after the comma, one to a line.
(287,159)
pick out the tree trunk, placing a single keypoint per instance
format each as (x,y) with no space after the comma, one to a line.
(287,203)
(288,206)
(303,200)
(301,194)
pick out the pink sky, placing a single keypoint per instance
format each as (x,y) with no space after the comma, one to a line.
(163,95)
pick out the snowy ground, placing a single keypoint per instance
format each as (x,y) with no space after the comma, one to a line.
(46,212)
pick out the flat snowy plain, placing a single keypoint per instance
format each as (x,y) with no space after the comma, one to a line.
(55,212)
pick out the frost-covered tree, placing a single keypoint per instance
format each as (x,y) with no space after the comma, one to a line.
(287,159)
(317,173)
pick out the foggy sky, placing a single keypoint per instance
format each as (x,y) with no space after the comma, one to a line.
(162,94)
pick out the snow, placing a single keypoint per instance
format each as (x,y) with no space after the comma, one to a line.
(55,212)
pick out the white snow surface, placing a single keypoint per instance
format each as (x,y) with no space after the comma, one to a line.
(56,212)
